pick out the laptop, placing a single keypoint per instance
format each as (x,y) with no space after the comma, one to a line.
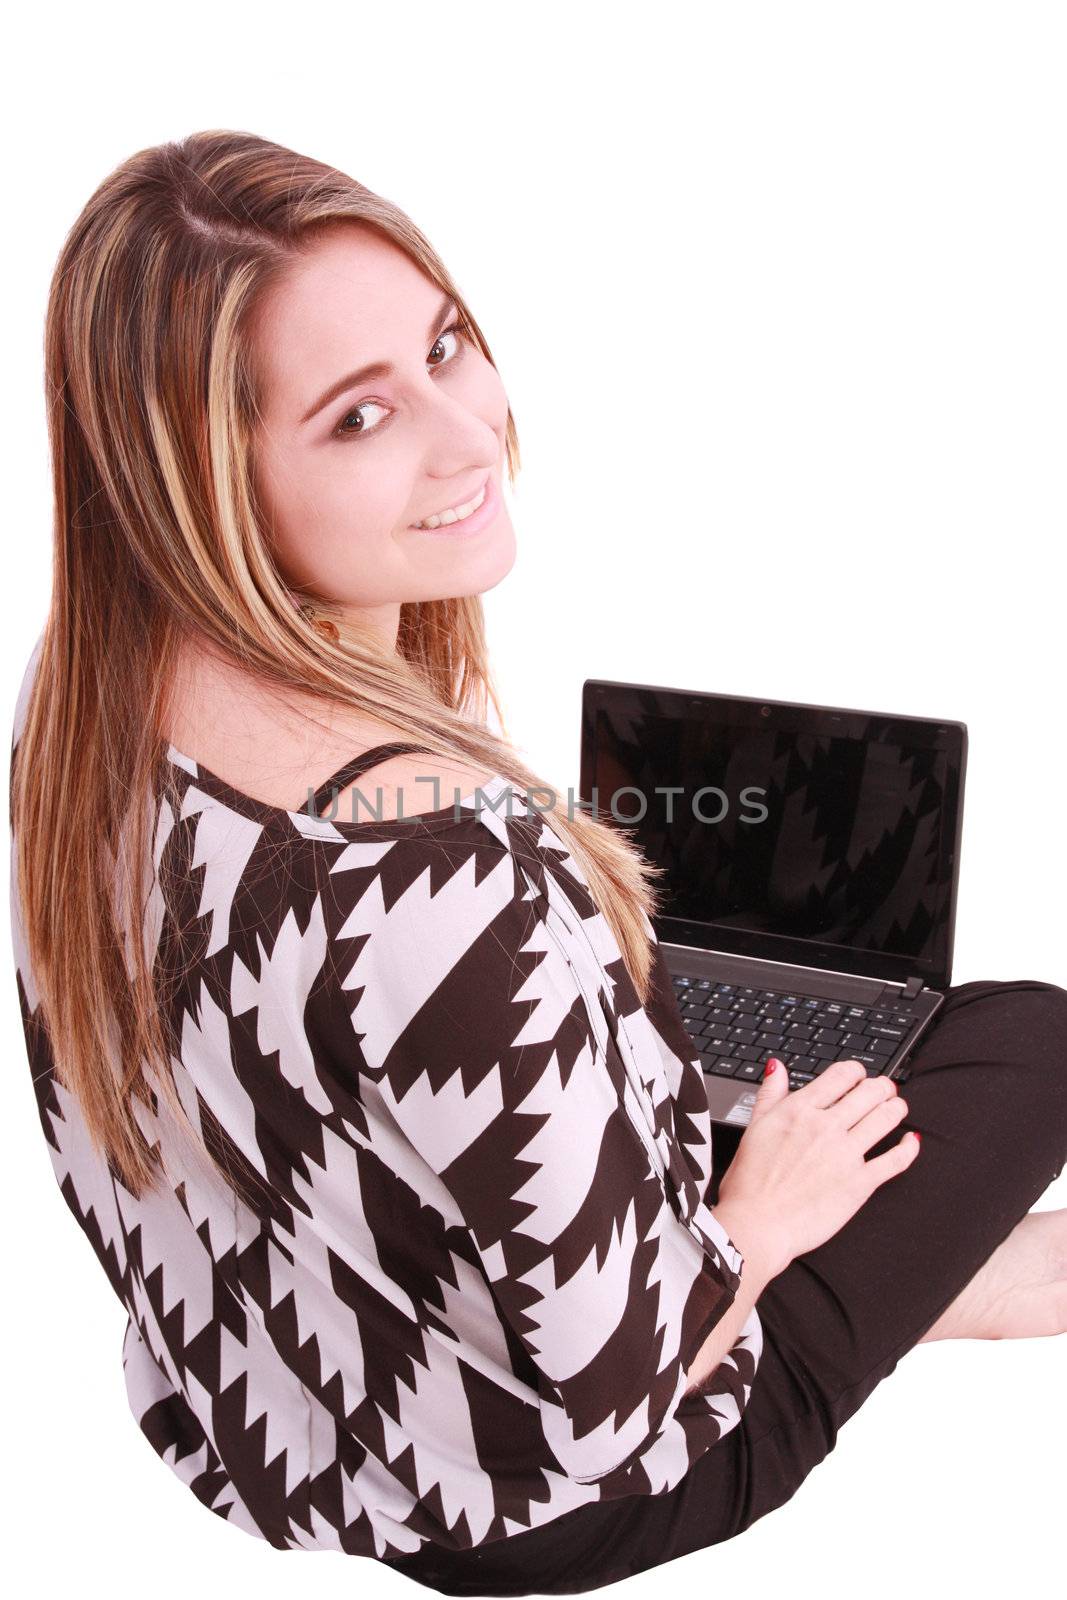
(810,865)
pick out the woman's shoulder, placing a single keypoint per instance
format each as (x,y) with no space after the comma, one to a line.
(406,785)
(281,750)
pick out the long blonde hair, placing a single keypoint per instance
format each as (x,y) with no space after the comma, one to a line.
(152,405)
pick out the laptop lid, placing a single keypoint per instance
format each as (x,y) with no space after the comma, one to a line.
(815,835)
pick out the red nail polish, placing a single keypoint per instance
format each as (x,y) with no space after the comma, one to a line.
(772,1062)
(918,1135)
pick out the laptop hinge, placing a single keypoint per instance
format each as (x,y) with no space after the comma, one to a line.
(912,989)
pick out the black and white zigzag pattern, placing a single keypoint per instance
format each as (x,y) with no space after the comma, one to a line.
(471,1260)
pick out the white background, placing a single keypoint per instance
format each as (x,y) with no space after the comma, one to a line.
(778,295)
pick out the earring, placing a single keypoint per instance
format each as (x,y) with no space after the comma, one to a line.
(322,625)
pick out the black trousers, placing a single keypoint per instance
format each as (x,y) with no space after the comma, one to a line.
(988,1092)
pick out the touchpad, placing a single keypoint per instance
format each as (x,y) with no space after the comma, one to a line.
(729,1100)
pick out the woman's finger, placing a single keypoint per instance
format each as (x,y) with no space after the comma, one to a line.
(829,1086)
(893,1161)
(861,1099)
(879,1121)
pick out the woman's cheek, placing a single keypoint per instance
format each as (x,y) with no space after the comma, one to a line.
(491,401)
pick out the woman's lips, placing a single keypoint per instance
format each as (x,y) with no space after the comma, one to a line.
(475,494)
(486,513)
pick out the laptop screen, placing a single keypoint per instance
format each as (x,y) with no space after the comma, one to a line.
(807,834)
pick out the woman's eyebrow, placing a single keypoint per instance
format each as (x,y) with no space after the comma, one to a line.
(375,369)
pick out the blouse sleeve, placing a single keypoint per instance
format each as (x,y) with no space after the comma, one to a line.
(480,1039)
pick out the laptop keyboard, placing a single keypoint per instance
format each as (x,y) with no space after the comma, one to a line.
(735,1029)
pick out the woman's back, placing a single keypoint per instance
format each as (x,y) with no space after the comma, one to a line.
(469,1261)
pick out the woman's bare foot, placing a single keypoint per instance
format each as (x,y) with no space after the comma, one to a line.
(1020,1292)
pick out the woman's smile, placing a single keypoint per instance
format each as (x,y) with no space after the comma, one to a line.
(470,517)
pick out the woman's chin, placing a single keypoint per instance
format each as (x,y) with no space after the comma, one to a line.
(478,565)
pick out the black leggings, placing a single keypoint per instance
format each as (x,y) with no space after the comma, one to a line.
(988,1093)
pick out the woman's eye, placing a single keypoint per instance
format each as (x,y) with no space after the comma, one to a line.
(344,431)
(357,411)
(450,333)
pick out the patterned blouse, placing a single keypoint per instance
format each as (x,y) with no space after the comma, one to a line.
(471,1259)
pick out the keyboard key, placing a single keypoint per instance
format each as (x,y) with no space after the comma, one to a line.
(749,1069)
(769,1043)
(721,1066)
(771,1024)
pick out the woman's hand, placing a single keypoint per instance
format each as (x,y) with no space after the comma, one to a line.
(800,1172)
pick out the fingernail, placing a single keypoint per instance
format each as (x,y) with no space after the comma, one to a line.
(918,1136)
(772,1062)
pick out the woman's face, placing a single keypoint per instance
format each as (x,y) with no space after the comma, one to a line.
(347,465)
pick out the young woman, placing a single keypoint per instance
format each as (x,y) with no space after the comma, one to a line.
(377,1109)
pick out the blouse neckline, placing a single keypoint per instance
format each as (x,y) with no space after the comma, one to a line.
(326,827)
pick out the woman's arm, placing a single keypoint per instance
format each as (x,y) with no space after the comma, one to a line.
(761,1264)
